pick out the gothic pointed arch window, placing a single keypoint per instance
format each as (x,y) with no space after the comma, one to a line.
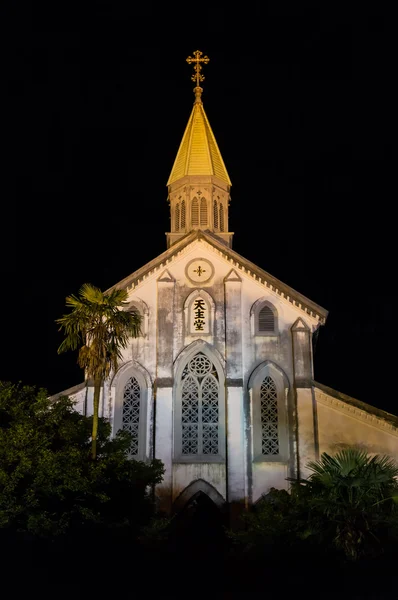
(177,217)
(264,317)
(221,217)
(215,214)
(203,211)
(199,404)
(139,307)
(269,417)
(195,212)
(268,391)
(182,221)
(130,411)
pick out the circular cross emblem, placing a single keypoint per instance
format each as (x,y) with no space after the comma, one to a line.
(199,270)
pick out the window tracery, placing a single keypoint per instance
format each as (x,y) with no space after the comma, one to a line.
(200,407)
(131,412)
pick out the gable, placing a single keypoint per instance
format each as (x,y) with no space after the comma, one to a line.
(242,267)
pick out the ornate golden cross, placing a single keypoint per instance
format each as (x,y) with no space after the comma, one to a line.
(197,76)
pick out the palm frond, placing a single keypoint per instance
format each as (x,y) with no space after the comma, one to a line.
(91,294)
(116,297)
(100,326)
(344,463)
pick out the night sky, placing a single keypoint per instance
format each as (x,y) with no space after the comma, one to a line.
(301,106)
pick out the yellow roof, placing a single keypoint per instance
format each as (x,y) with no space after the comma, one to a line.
(198,153)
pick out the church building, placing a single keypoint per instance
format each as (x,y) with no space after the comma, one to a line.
(220,384)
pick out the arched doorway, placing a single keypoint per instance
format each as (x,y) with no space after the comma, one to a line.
(199,528)
(200,520)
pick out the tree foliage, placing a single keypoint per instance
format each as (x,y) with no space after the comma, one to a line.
(346,505)
(99,327)
(354,492)
(48,485)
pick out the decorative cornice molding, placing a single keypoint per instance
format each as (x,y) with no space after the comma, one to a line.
(355,412)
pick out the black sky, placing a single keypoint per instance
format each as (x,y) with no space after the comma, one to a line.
(301,105)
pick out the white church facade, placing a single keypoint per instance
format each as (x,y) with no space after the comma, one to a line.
(220,383)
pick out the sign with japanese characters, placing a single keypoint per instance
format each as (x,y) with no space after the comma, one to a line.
(199,316)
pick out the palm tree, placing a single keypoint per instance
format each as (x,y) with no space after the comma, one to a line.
(100,327)
(354,491)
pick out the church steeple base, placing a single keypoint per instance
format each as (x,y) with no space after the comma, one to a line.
(225,238)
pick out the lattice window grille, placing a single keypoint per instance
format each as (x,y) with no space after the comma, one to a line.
(182,221)
(200,407)
(215,214)
(131,412)
(269,417)
(203,211)
(195,212)
(266,319)
(221,217)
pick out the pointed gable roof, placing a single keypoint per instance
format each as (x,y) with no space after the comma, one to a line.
(237,261)
(198,153)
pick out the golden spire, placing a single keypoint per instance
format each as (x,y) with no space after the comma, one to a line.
(198,153)
(197,77)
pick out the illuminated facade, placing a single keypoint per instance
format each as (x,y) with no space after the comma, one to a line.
(220,383)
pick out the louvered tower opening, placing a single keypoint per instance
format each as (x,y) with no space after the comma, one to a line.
(266,319)
(182,227)
(203,211)
(215,214)
(195,212)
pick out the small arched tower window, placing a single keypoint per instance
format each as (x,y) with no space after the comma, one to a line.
(221,217)
(203,211)
(177,217)
(182,222)
(215,214)
(195,212)
(266,320)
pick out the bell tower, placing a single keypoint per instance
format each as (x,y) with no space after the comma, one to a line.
(199,185)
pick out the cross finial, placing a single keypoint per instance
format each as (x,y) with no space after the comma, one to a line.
(197,77)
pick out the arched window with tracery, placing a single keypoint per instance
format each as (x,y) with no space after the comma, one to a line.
(131,411)
(182,222)
(269,417)
(221,217)
(215,214)
(200,411)
(177,217)
(195,212)
(203,211)
(268,391)
(130,408)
